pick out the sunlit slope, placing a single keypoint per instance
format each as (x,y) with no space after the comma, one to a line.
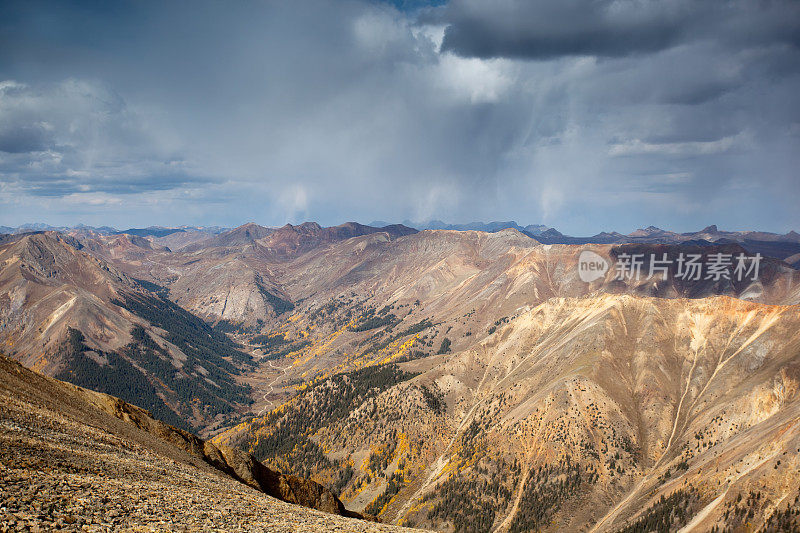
(69,314)
(372,299)
(578,412)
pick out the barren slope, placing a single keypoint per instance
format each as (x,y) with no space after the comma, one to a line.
(372,299)
(69,314)
(579,412)
(72,459)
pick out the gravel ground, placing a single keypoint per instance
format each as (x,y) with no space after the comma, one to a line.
(60,472)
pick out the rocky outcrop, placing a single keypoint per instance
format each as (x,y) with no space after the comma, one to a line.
(237,464)
(71,460)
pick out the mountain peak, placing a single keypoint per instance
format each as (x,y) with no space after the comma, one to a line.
(536,229)
(247,225)
(244,234)
(48,239)
(251,230)
(646,232)
(551,233)
(304,227)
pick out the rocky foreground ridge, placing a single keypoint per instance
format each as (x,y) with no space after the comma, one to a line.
(75,459)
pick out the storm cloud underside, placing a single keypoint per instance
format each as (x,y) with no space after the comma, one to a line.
(581,115)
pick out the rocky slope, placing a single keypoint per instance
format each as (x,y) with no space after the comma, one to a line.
(372,299)
(578,414)
(234,276)
(69,314)
(75,459)
(250,276)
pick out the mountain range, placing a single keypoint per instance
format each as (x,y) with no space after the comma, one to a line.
(453,379)
(782,246)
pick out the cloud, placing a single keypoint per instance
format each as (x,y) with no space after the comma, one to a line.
(475,80)
(638,147)
(77,136)
(578,114)
(610,28)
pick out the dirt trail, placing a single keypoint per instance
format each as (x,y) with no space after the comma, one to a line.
(271,385)
(699,517)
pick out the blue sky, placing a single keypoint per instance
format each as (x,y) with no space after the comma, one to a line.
(582,115)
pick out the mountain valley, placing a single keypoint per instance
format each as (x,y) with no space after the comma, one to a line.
(454,380)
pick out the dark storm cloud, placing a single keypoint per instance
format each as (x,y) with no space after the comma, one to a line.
(611,28)
(18,138)
(577,114)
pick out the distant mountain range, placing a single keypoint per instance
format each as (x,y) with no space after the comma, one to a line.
(150,231)
(780,246)
(490,227)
